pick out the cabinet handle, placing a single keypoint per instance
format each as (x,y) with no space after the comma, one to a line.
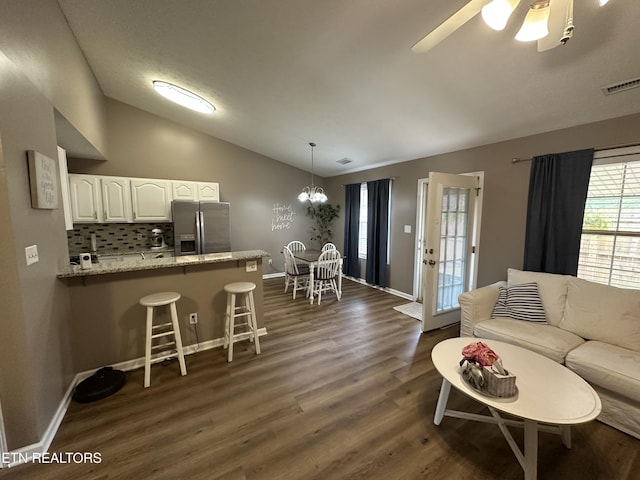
(105,215)
(95,215)
(134,215)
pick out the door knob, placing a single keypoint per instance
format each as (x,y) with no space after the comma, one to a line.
(432,262)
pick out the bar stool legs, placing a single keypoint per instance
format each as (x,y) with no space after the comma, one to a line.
(234,311)
(171,329)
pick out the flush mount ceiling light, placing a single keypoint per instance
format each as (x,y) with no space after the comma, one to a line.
(183,97)
(550,22)
(313,194)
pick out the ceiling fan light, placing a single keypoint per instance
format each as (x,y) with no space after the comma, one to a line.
(496,14)
(183,97)
(535,25)
(603,2)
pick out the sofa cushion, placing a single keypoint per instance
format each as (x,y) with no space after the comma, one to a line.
(600,312)
(608,366)
(547,340)
(552,288)
(520,302)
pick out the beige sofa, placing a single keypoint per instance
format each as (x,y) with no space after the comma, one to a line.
(591,328)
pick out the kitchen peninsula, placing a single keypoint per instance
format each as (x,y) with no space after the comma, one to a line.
(108,324)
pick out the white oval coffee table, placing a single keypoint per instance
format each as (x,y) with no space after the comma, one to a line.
(549,396)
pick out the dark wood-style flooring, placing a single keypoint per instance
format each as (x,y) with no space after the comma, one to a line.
(344,390)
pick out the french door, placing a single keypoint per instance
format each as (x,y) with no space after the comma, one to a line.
(450,250)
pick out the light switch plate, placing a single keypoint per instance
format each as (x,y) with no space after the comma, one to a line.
(407,229)
(31,253)
(252,266)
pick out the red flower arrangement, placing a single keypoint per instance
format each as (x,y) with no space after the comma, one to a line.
(480,354)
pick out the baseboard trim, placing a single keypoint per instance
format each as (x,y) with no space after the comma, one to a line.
(25,454)
(273,275)
(397,293)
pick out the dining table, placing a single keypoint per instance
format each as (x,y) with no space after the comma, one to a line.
(310,257)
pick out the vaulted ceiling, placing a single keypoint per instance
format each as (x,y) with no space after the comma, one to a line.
(340,73)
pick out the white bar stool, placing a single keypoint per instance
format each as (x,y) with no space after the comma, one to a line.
(234,311)
(160,331)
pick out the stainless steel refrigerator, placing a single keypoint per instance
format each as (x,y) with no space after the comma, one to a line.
(200,227)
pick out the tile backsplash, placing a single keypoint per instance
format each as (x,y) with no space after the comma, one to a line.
(115,237)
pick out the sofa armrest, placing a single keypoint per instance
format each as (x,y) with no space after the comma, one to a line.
(477,305)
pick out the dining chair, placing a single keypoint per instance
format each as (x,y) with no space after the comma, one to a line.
(328,246)
(293,271)
(296,246)
(325,274)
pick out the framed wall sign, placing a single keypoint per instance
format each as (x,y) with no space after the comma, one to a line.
(43,181)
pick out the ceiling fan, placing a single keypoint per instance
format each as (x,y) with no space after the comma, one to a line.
(549,22)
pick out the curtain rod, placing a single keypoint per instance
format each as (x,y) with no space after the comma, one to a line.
(596,149)
(387,178)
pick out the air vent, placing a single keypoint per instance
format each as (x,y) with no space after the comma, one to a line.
(344,161)
(621,87)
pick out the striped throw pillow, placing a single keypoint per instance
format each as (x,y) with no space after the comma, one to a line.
(520,302)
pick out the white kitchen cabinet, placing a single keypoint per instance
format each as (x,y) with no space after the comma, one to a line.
(116,199)
(208,191)
(151,200)
(195,191)
(86,198)
(99,198)
(184,190)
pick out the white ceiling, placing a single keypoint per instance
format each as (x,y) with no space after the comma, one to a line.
(340,73)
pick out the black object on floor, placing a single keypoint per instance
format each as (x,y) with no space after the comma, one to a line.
(106,381)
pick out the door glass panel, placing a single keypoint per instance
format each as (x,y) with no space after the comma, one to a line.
(453,247)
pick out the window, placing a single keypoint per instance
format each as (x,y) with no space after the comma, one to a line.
(610,245)
(362,238)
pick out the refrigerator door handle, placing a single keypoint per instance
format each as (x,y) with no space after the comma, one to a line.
(198,232)
(202,230)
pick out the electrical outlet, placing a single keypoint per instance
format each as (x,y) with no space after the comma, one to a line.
(138,236)
(271,261)
(193,318)
(252,266)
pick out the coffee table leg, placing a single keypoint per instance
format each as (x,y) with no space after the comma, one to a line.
(530,465)
(441,406)
(565,434)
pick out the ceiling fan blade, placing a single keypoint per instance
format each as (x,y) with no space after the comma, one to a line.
(450,25)
(560,25)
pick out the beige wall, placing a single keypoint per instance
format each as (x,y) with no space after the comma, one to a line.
(35,317)
(144,145)
(109,324)
(41,69)
(34,34)
(505,194)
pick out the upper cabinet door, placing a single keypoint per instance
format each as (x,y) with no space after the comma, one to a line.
(84,192)
(208,191)
(151,200)
(183,190)
(116,199)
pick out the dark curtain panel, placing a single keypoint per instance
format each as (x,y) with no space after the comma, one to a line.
(377,232)
(557,194)
(351,266)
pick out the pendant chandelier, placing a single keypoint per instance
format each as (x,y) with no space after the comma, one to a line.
(313,194)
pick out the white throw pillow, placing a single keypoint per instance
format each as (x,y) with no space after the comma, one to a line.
(600,312)
(520,302)
(552,289)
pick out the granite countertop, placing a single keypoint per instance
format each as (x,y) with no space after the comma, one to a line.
(131,265)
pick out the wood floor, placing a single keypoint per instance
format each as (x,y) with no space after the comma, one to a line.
(345,390)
